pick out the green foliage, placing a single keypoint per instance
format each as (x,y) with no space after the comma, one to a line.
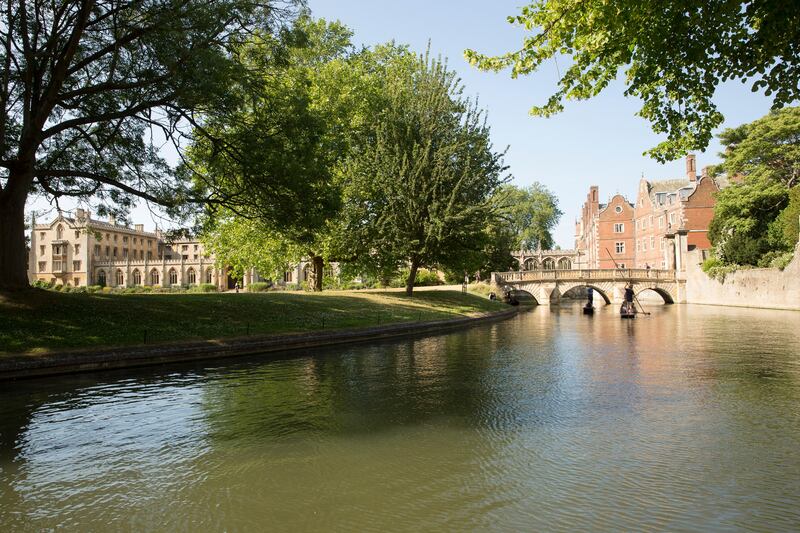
(766,149)
(789,219)
(781,261)
(418,191)
(424,278)
(203,287)
(757,214)
(259,287)
(674,55)
(532,214)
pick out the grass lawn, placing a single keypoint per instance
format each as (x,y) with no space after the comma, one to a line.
(40,321)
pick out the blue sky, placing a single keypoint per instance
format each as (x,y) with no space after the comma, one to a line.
(596,142)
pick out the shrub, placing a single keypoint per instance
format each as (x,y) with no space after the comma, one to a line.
(203,287)
(91,289)
(80,290)
(66,288)
(106,290)
(781,261)
(57,287)
(259,287)
(711,262)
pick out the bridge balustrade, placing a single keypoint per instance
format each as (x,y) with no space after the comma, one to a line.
(619,274)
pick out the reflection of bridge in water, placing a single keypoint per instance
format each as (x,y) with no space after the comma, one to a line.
(547,286)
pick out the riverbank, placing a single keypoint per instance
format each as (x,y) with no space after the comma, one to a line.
(45,332)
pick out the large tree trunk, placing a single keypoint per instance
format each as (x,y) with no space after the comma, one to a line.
(13,253)
(318,264)
(412,276)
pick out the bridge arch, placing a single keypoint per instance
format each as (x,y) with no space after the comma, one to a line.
(665,295)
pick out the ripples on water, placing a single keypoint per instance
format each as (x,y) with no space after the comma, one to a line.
(685,420)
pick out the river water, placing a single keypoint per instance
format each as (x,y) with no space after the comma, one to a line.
(688,419)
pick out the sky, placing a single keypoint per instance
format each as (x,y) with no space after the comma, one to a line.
(595,142)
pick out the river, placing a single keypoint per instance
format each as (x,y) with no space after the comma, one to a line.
(688,419)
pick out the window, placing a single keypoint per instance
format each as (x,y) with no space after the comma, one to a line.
(124,253)
(672,218)
(644,245)
(108,237)
(173,276)
(77,249)
(620,247)
(185,248)
(41,250)
(185,257)
(41,236)
(101,278)
(108,251)
(638,245)
(619,228)
(115,238)
(120,278)
(287,277)
(661,222)
(652,243)
(137,277)
(209,275)
(663,243)
(115,251)
(621,265)
(56,266)
(618,209)
(154,277)
(651,221)
(195,247)
(97,250)
(76,282)
(77,234)
(192,276)
(59,232)
(149,255)
(195,257)
(42,266)
(125,239)
(76,266)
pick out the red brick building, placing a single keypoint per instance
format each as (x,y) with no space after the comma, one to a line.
(646,230)
(604,234)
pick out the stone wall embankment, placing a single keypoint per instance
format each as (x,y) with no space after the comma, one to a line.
(758,287)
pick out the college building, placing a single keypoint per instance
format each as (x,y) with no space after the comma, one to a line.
(667,217)
(80,251)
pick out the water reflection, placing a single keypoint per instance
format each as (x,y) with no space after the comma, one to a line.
(686,419)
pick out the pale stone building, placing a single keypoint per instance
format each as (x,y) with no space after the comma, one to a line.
(80,251)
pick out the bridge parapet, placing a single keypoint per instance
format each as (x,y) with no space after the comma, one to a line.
(614,274)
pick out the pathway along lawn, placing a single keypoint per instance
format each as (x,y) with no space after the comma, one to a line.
(43,321)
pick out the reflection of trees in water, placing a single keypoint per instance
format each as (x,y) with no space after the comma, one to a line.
(362,389)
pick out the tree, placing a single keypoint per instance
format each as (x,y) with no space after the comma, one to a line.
(748,221)
(743,230)
(84,84)
(674,54)
(766,148)
(273,155)
(532,214)
(420,194)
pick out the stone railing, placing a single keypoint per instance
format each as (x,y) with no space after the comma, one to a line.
(617,274)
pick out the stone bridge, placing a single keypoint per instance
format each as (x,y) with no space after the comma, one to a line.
(609,284)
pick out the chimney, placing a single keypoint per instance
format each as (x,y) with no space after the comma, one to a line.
(112,220)
(139,227)
(691,169)
(80,214)
(704,171)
